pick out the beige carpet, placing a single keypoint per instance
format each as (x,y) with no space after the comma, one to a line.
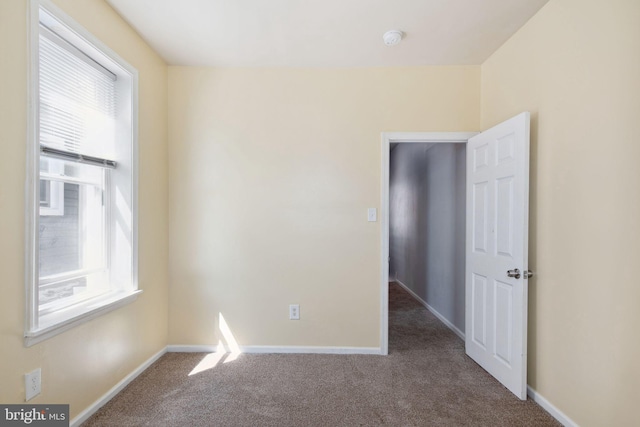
(427,380)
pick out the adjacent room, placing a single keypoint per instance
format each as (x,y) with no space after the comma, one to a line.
(427,226)
(320,213)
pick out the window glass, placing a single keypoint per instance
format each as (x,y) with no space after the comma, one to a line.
(72,245)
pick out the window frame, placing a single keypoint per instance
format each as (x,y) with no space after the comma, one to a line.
(122,291)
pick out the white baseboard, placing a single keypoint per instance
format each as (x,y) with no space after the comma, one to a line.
(265,349)
(261,349)
(556,413)
(185,348)
(433,311)
(93,408)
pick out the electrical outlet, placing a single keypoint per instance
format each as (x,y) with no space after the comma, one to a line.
(32,384)
(294,312)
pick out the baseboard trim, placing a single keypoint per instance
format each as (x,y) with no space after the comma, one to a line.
(556,413)
(433,311)
(186,348)
(266,349)
(93,408)
(262,349)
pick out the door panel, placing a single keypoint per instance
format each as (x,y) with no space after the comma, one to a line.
(480,218)
(478,306)
(497,239)
(503,309)
(504,220)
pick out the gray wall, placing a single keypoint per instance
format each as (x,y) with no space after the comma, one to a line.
(427,224)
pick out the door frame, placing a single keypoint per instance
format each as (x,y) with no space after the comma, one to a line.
(389,138)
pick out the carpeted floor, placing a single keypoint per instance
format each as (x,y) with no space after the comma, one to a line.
(427,380)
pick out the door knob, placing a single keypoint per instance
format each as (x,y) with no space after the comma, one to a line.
(528,274)
(515,273)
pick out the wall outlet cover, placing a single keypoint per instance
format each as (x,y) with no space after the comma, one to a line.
(294,312)
(32,384)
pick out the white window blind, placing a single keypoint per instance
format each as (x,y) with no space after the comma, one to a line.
(77,101)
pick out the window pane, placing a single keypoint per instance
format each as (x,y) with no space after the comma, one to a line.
(51,192)
(45,196)
(60,236)
(72,244)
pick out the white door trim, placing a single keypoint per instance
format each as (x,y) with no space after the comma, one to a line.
(387,139)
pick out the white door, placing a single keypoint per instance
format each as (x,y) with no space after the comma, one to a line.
(496,253)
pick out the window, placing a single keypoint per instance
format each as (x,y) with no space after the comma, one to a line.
(82,228)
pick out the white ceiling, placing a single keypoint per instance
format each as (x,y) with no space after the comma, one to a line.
(325,33)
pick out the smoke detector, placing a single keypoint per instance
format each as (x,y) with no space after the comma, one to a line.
(392,37)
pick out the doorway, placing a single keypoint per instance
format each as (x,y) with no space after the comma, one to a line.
(427,205)
(431,138)
(496,254)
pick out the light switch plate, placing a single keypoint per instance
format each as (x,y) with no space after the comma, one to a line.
(372,214)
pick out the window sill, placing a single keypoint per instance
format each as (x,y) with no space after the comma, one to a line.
(66,319)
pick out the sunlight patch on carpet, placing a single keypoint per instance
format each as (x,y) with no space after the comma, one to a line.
(210,360)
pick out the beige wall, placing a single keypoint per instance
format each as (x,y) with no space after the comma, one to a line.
(271,175)
(272,171)
(82,364)
(576,67)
